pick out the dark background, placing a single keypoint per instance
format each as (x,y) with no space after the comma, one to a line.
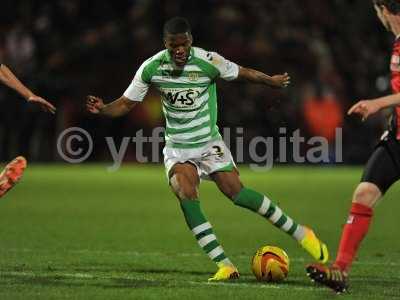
(337,52)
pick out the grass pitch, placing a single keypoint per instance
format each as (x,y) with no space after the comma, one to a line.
(80,232)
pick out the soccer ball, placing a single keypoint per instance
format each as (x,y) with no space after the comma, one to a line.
(270,264)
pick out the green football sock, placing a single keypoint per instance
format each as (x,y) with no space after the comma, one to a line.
(259,203)
(203,232)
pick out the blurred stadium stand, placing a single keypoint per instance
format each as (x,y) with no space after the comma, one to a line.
(67,49)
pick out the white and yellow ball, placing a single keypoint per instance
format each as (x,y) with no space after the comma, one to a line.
(270,264)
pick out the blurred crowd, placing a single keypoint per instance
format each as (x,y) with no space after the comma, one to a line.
(335,51)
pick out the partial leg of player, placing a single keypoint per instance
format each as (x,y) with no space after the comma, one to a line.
(11,174)
(184,183)
(229,183)
(379,174)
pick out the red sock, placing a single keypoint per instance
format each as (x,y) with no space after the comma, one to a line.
(353,233)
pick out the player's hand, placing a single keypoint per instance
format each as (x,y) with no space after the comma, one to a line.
(365,108)
(45,105)
(280,81)
(94,104)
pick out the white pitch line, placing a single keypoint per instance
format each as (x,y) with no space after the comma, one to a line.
(276,287)
(93,276)
(256,285)
(233,284)
(190,254)
(69,275)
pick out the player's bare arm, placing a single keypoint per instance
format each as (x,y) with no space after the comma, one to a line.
(115,109)
(275,81)
(8,78)
(365,108)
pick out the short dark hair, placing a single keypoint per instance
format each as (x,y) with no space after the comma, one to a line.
(176,25)
(392,5)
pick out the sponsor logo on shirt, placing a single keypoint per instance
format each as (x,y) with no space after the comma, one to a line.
(181,98)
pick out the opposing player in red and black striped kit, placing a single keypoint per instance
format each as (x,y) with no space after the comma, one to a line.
(14,170)
(381,171)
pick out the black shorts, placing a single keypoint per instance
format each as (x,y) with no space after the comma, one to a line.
(383,167)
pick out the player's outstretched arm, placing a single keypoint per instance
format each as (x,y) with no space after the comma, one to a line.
(115,109)
(9,79)
(275,81)
(365,108)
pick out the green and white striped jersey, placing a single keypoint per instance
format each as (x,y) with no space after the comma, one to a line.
(188,94)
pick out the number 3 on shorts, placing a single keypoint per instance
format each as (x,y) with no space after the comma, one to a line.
(218,150)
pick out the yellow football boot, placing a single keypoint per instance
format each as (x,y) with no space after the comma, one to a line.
(314,246)
(225,272)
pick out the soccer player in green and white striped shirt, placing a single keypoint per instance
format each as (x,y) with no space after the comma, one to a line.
(186,78)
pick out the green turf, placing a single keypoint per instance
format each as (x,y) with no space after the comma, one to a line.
(80,232)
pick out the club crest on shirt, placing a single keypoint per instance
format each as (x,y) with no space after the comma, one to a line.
(395,63)
(193,76)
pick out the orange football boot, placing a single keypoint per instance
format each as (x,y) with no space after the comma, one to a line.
(11,174)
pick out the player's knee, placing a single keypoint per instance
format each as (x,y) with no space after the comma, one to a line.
(183,188)
(230,190)
(367,194)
